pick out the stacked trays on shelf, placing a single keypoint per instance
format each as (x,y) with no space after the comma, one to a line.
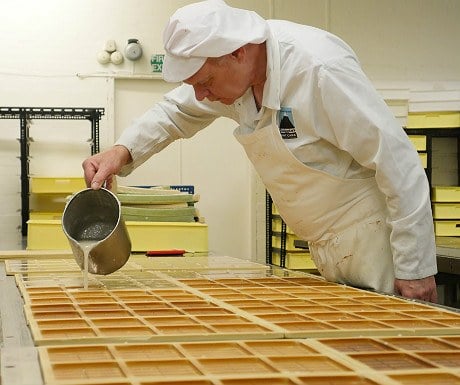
(157,204)
(48,195)
(163,217)
(446,210)
(156,218)
(443,171)
(47,201)
(295,258)
(419,142)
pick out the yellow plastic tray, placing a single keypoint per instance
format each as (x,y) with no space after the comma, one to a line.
(295,260)
(419,142)
(48,202)
(45,215)
(276,225)
(168,235)
(446,194)
(423,158)
(47,185)
(290,238)
(48,234)
(447,228)
(446,211)
(442,119)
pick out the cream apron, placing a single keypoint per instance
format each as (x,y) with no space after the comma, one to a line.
(344,220)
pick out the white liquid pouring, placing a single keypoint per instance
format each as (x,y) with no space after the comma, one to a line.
(90,237)
(86,247)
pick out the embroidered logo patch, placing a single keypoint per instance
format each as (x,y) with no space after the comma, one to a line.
(286,123)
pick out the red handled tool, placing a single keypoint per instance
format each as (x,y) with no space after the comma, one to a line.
(163,253)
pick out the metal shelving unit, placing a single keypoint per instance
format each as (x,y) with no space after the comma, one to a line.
(431,133)
(25,115)
(448,260)
(269,232)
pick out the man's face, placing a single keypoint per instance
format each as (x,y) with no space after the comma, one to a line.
(222,79)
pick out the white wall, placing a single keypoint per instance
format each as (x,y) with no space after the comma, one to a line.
(46,43)
(212,161)
(409,40)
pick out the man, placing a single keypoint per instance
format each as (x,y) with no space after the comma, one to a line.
(340,170)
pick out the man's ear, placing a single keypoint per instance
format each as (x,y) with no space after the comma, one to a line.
(239,53)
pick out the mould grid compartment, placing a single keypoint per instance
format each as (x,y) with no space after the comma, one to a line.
(357,361)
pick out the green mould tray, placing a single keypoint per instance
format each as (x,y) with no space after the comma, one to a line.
(362,361)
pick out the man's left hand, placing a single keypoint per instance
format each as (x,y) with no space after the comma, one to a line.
(424,289)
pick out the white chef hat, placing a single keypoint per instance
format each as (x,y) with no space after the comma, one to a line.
(207,29)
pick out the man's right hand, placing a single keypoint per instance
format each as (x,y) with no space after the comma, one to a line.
(101,167)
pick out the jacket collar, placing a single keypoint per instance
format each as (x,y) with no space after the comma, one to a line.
(271,96)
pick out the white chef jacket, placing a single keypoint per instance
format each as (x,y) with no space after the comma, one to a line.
(341,127)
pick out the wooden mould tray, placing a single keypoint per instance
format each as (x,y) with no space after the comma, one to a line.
(230,308)
(137,279)
(67,317)
(197,263)
(15,266)
(310,307)
(406,360)
(127,279)
(34,254)
(118,280)
(135,263)
(362,361)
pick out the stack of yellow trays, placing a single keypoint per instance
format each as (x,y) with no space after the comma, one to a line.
(419,142)
(45,228)
(435,119)
(48,195)
(295,258)
(446,210)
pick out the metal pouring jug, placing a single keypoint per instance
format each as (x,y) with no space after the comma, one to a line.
(95,215)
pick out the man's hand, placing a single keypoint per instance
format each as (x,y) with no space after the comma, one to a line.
(101,167)
(424,289)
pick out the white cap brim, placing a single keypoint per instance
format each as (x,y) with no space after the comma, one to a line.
(177,69)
